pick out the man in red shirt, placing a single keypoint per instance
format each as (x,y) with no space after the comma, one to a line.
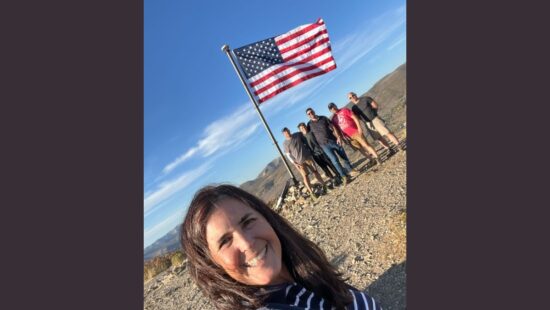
(348,124)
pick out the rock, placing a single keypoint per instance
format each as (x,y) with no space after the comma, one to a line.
(179,269)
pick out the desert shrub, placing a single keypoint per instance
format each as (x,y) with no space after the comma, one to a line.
(177,258)
(153,267)
(156,266)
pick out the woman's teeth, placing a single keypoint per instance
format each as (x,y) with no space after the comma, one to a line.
(253,262)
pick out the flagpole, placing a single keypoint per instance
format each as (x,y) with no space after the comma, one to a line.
(227,51)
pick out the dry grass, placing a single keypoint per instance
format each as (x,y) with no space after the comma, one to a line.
(159,264)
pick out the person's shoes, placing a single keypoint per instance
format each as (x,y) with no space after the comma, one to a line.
(325,189)
(371,162)
(353,173)
(378,161)
(346,180)
(399,146)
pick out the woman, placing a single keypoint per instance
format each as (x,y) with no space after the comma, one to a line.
(243,255)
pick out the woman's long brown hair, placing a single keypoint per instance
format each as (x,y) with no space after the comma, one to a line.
(305,261)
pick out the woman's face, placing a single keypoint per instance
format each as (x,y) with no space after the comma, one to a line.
(243,243)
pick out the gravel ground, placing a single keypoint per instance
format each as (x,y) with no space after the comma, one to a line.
(361,227)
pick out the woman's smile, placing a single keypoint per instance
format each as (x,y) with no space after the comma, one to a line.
(254,262)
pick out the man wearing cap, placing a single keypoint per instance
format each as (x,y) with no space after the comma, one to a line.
(298,152)
(367,110)
(318,155)
(330,140)
(348,123)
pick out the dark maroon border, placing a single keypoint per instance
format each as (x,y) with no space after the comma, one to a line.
(477,189)
(72,154)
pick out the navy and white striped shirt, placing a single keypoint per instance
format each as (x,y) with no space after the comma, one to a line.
(296,297)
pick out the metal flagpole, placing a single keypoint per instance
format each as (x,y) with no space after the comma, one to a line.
(225,48)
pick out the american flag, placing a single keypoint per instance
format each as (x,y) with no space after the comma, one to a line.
(279,63)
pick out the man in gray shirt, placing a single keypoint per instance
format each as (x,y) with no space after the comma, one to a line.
(299,153)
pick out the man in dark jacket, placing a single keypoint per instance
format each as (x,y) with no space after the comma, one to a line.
(330,140)
(318,155)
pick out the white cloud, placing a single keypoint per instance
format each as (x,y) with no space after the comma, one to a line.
(221,135)
(167,189)
(180,159)
(229,130)
(341,44)
(396,43)
(355,46)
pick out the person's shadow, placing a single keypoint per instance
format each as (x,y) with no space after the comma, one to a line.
(389,290)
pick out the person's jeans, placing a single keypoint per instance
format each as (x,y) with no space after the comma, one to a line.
(322,161)
(331,149)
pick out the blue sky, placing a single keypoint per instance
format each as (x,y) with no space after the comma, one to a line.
(201,128)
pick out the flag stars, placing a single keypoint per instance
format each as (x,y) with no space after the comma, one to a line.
(258,56)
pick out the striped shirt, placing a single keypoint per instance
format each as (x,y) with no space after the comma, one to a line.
(296,297)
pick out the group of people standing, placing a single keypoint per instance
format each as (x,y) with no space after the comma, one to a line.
(321,141)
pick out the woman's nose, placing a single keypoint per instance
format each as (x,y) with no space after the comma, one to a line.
(243,240)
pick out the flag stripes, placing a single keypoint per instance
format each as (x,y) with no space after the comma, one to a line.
(282,86)
(300,54)
(289,72)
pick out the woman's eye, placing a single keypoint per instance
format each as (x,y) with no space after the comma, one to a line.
(248,222)
(224,242)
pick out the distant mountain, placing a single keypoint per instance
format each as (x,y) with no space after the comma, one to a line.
(389,92)
(168,243)
(270,182)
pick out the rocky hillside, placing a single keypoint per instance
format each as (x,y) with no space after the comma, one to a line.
(389,92)
(361,227)
(270,182)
